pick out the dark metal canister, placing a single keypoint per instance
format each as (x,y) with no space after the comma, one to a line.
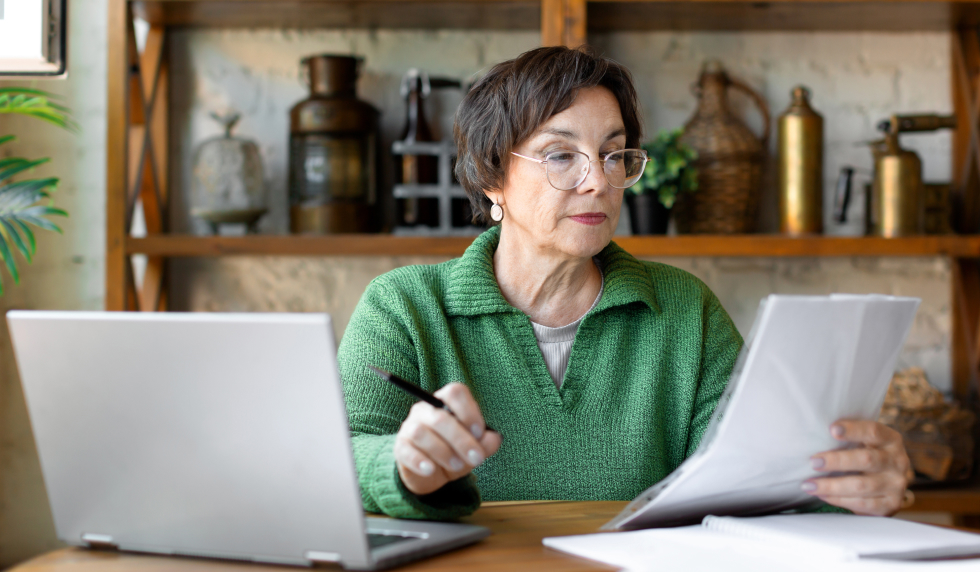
(800,167)
(333,146)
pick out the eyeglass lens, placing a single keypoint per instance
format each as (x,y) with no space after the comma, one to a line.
(567,169)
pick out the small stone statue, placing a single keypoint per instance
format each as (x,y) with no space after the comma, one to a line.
(229,186)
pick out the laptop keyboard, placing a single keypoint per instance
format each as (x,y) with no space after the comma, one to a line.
(379,540)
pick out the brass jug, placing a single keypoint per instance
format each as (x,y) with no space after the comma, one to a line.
(729,163)
(800,167)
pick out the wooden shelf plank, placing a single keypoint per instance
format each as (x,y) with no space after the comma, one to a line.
(285,245)
(603,15)
(963,500)
(650,246)
(365,14)
(784,15)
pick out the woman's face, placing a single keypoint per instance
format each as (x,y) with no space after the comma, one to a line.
(579,222)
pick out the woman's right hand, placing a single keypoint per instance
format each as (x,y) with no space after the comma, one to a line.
(433,447)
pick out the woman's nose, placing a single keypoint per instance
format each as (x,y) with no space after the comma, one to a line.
(595,180)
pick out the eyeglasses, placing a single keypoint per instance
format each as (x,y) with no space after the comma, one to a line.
(567,169)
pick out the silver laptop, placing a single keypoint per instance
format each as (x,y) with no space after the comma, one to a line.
(216,435)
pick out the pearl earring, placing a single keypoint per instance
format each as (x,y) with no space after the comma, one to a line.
(496,212)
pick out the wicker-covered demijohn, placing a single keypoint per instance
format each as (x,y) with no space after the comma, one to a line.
(730,159)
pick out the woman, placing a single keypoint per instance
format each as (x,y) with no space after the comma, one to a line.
(546,144)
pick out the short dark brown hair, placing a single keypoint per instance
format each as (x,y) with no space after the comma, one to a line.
(516,97)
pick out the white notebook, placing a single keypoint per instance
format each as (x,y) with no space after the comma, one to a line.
(787,543)
(808,361)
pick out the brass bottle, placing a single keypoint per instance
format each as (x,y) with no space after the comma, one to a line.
(800,167)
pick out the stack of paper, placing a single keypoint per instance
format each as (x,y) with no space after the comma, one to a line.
(809,361)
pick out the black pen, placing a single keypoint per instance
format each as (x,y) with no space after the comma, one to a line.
(416,391)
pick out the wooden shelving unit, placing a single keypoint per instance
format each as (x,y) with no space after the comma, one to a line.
(387,245)
(137,163)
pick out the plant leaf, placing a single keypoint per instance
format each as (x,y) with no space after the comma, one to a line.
(8,258)
(23,90)
(28,233)
(19,166)
(670,170)
(15,236)
(31,185)
(36,103)
(40,223)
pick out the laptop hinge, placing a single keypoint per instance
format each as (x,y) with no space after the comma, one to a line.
(101,541)
(317,557)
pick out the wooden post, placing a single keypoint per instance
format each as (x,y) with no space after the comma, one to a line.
(966,142)
(965,325)
(153,189)
(563,23)
(117,154)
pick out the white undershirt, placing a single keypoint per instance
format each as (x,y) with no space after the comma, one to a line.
(556,343)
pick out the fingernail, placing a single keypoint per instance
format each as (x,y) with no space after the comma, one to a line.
(426,468)
(455,464)
(817,463)
(836,431)
(475,457)
(476,430)
(809,487)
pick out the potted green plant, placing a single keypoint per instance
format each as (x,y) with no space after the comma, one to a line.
(669,173)
(25,202)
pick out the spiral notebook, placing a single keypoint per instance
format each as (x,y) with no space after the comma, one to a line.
(788,543)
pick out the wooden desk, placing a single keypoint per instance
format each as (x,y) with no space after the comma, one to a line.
(515,544)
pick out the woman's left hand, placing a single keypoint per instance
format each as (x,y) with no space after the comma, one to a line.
(881,465)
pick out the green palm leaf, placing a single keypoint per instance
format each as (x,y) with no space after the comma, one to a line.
(26,203)
(22,203)
(35,103)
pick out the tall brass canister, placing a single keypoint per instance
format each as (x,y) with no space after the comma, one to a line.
(800,167)
(894,206)
(332,152)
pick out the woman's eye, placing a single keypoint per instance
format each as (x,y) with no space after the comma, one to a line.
(561,157)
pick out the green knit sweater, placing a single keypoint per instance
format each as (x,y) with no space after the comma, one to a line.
(647,367)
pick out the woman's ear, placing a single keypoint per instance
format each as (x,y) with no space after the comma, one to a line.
(495,196)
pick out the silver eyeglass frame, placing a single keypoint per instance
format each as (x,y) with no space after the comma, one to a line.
(589,170)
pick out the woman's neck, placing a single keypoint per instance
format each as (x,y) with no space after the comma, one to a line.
(551,288)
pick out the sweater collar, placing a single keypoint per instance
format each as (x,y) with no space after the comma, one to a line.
(473,288)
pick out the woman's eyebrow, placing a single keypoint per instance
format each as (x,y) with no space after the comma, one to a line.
(563,133)
(614,134)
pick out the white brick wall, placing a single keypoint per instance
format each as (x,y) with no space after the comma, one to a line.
(856,78)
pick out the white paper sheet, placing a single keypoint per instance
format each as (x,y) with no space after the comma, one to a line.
(852,536)
(809,361)
(696,549)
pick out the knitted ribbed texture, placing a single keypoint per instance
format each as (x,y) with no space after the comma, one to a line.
(556,343)
(647,368)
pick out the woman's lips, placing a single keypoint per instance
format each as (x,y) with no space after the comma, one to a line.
(590,219)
